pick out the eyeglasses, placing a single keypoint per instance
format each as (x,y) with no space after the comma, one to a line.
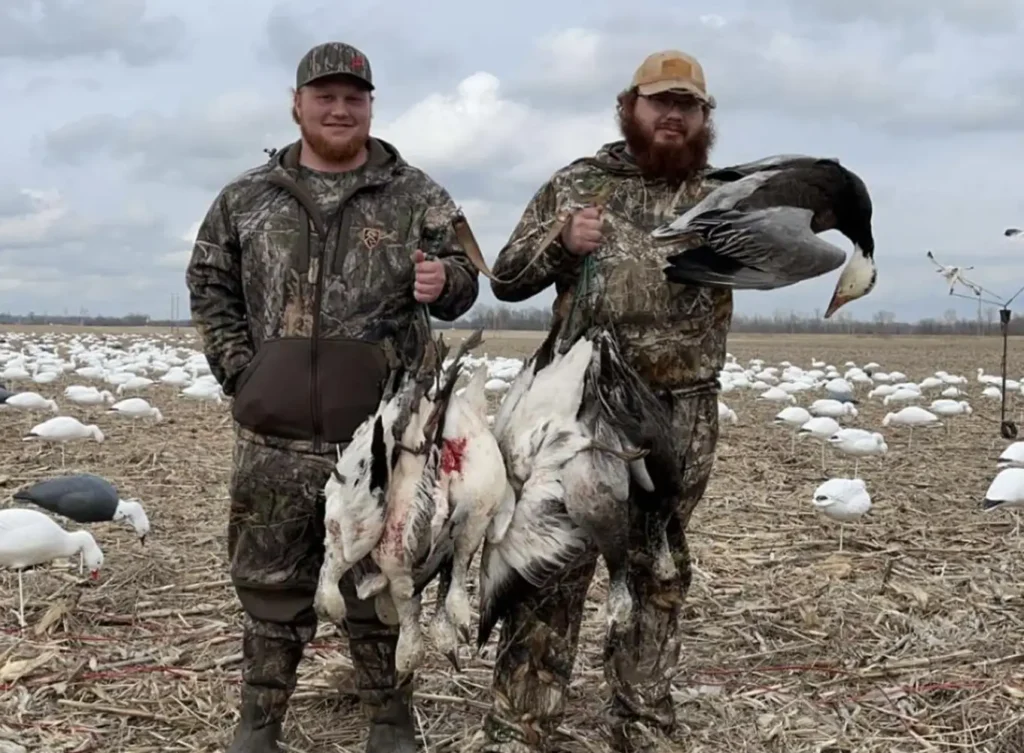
(687,105)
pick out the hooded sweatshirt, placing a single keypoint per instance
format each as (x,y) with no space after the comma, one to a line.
(673,335)
(294,306)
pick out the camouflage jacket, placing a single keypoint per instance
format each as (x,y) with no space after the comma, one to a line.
(294,308)
(673,335)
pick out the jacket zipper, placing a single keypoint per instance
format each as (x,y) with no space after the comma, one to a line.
(317,275)
(314,383)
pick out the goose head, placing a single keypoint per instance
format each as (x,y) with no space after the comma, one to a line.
(857,279)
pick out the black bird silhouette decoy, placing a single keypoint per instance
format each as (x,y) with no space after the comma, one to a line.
(85,498)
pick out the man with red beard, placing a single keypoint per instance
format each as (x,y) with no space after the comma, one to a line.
(673,336)
(305,270)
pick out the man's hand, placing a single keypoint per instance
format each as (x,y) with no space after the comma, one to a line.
(582,234)
(430,277)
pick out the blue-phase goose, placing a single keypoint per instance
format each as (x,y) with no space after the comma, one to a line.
(758,231)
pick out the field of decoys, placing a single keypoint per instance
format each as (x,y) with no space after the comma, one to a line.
(857,579)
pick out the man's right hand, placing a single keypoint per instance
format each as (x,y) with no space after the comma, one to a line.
(583,234)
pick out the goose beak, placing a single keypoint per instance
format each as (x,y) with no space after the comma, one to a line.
(837,302)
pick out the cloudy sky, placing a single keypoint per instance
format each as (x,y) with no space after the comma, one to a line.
(125,117)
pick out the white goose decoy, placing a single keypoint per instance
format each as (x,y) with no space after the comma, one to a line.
(832,408)
(136,407)
(950,408)
(83,395)
(1012,456)
(842,500)
(903,395)
(133,384)
(63,429)
(29,537)
(912,416)
(725,413)
(1006,490)
(859,443)
(31,401)
(207,392)
(759,231)
(792,417)
(776,395)
(820,428)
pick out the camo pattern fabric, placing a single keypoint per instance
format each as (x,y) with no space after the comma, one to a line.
(290,258)
(538,642)
(673,335)
(275,546)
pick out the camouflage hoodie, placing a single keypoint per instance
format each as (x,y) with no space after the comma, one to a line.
(674,335)
(293,306)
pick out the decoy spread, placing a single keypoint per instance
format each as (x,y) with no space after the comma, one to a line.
(758,231)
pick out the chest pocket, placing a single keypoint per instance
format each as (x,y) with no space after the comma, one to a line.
(272,257)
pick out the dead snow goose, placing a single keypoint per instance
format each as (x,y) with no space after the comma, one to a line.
(634,440)
(480,504)
(415,544)
(759,231)
(537,435)
(355,502)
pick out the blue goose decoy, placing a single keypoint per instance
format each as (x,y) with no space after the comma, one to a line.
(4,394)
(85,498)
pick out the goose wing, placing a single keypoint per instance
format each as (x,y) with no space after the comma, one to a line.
(745,169)
(806,182)
(757,250)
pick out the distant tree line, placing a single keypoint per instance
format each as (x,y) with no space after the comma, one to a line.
(539,319)
(782,322)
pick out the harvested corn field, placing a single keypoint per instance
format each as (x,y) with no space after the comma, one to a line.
(906,639)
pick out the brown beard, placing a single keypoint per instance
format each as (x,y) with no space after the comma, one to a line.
(326,150)
(330,151)
(674,163)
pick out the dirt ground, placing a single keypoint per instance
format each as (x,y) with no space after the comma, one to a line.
(910,639)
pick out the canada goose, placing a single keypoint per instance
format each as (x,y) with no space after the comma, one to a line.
(758,230)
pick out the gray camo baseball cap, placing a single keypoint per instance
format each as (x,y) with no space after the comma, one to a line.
(333,59)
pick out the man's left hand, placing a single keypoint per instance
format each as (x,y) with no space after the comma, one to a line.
(430,277)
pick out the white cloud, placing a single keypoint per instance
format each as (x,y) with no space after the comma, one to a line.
(922,99)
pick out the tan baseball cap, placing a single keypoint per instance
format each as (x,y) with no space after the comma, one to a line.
(671,70)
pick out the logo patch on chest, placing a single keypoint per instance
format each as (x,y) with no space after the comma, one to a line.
(371,237)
